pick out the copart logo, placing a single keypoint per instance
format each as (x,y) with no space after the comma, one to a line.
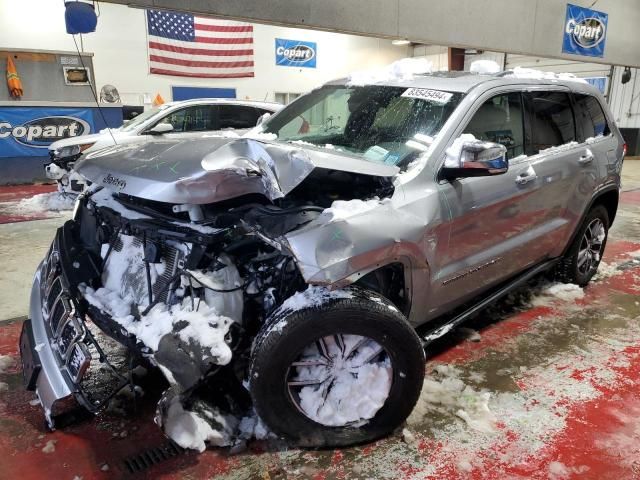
(114,181)
(41,132)
(298,53)
(587,33)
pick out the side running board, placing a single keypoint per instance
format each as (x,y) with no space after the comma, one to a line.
(493,297)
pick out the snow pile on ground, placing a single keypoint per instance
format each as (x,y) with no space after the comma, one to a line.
(626,437)
(399,71)
(566,292)
(484,67)
(43,202)
(50,446)
(196,429)
(452,155)
(524,73)
(5,363)
(605,270)
(444,392)
(343,209)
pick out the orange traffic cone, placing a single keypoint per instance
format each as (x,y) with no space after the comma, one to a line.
(13,81)
(158,100)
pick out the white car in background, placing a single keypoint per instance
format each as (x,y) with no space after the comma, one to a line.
(173,118)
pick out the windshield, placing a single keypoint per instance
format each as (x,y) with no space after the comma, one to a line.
(390,125)
(140,119)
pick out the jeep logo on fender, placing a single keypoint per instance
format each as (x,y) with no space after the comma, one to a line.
(41,132)
(587,33)
(299,53)
(114,181)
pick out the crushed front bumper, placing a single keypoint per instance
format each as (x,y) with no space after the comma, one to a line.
(46,369)
(58,346)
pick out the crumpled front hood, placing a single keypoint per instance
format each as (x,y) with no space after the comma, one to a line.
(213,168)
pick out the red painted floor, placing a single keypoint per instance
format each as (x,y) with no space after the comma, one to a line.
(563,376)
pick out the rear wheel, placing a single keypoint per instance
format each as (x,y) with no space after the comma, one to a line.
(343,371)
(581,261)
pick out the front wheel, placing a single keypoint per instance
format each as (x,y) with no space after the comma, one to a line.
(342,370)
(581,261)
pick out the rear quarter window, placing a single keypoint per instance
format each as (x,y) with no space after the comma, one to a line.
(590,117)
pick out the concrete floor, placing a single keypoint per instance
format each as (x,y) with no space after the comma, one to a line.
(550,389)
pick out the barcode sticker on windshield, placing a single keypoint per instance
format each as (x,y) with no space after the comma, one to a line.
(435,96)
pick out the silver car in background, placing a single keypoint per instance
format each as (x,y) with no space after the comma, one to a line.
(300,270)
(174,118)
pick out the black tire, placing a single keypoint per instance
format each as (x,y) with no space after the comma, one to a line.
(288,332)
(569,270)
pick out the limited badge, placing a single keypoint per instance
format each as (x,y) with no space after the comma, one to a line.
(435,96)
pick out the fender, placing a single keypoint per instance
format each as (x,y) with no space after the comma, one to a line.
(611,187)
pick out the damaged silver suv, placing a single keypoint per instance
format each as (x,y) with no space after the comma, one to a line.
(294,276)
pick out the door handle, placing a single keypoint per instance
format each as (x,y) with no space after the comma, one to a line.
(525,178)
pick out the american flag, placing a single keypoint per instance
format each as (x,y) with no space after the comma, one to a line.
(192,46)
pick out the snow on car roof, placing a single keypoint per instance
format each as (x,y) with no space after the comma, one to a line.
(463,82)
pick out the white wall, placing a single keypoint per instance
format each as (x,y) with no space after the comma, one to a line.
(436,54)
(120,49)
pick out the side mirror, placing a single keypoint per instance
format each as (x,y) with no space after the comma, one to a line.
(263,118)
(160,128)
(476,159)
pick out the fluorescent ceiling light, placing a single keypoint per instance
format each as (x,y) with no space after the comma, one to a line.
(400,42)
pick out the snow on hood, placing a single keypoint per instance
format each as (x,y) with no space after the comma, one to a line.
(213,168)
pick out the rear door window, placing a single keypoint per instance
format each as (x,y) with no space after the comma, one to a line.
(590,117)
(238,116)
(551,120)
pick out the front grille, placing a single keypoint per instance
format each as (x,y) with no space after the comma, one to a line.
(59,314)
(59,311)
(53,292)
(68,335)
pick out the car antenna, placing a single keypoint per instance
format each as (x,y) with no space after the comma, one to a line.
(95,96)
